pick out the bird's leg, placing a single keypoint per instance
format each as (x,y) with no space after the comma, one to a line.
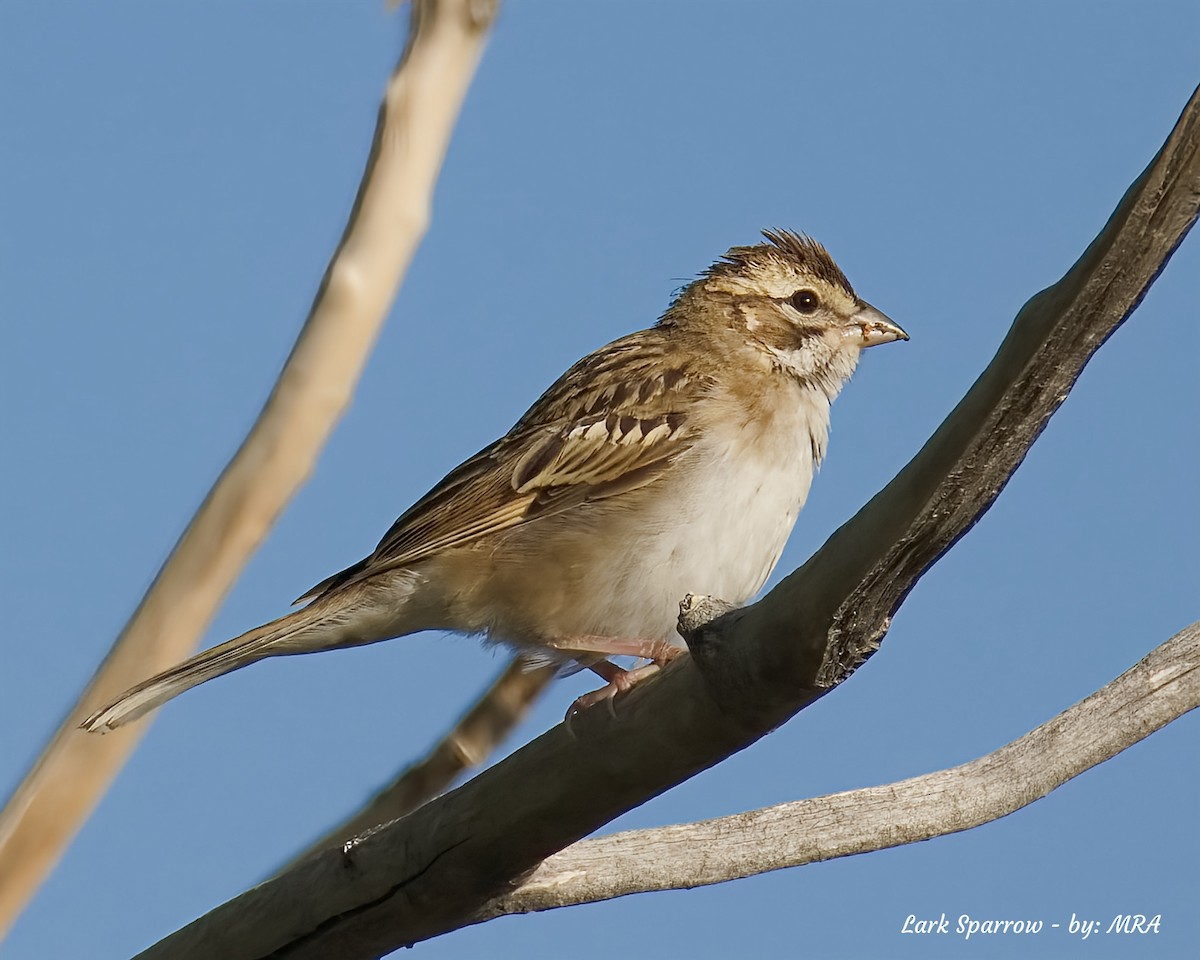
(658,652)
(602,668)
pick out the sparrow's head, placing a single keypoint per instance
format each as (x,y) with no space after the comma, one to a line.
(791,302)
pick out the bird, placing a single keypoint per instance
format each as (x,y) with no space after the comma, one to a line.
(674,460)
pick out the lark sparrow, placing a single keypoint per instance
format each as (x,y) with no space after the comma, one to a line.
(673,460)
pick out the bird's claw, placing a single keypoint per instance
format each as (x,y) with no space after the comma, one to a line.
(620,682)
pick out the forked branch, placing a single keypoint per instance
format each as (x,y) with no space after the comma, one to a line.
(750,670)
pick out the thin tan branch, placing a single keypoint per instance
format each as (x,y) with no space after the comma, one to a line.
(1161,688)
(389,217)
(479,731)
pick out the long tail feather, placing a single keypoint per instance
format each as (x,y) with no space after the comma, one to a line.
(265,641)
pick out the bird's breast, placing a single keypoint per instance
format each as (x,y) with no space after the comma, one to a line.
(751,477)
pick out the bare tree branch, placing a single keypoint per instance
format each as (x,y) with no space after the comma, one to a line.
(388,220)
(1162,687)
(478,732)
(751,669)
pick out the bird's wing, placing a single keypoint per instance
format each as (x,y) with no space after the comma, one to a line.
(612,423)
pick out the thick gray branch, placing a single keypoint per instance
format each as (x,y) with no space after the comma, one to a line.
(752,669)
(1159,689)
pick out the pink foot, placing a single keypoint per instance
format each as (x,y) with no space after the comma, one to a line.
(618,682)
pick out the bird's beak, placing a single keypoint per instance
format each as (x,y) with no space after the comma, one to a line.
(873,326)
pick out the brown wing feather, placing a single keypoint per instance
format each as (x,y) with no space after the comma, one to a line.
(612,422)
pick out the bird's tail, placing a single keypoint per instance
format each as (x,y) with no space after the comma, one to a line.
(298,632)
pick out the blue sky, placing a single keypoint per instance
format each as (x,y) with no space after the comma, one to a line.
(174,179)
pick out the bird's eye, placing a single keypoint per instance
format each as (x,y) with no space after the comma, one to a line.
(805,301)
